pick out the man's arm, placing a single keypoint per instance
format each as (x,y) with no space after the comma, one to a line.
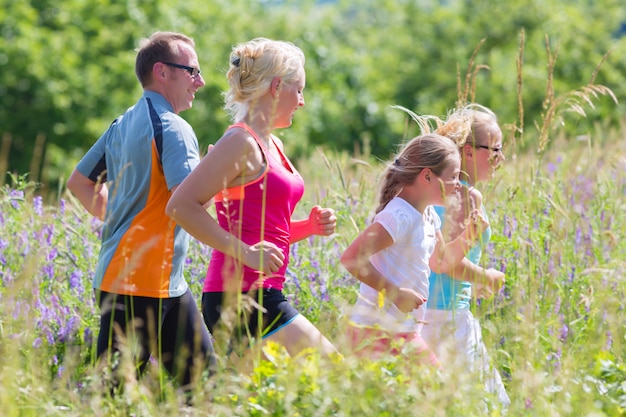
(92,195)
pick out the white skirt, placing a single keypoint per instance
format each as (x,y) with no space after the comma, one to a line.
(456,339)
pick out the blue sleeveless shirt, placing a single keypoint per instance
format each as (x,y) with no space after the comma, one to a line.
(447,293)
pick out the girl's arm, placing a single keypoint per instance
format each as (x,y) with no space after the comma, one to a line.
(490,278)
(447,255)
(321,221)
(356,259)
(215,172)
(466,270)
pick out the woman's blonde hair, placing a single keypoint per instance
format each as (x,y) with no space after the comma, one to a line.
(253,66)
(430,150)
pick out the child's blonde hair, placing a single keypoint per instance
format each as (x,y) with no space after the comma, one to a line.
(471,124)
(430,150)
(253,66)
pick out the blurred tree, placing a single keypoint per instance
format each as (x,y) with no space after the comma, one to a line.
(66,69)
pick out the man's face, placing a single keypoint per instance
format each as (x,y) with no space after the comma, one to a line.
(181,85)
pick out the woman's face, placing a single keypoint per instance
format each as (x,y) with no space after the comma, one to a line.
(290,98)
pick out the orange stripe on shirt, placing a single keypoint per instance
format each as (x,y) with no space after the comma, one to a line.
(142,263)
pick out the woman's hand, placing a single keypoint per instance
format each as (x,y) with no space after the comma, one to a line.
(322,221)
(265,257)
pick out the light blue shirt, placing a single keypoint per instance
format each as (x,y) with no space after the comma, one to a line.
(142,155)
(447,293)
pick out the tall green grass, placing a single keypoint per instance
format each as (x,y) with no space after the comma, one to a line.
(556,332)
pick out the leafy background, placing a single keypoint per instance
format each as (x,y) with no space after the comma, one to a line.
(66,68)
(552,71)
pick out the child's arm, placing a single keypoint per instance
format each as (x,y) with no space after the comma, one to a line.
(492,279)
(356,260)
(447,255)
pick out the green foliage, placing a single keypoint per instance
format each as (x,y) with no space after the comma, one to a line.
(67,71)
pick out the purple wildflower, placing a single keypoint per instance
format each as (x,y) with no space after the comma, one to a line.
(76,281)
(554,359)
(87,335)
(572,274)
(38,205)
(16,195)
(37,343)
(507,231)
(564,333)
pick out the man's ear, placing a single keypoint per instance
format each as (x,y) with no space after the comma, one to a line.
(158,71)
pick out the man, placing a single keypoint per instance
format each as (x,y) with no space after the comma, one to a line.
(126,179)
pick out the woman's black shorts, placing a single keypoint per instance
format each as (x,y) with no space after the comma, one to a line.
(247,316)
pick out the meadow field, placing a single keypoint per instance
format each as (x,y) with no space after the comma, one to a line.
(556,332)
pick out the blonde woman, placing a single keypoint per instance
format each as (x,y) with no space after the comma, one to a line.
(256,189)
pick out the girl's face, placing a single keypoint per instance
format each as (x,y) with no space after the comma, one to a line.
(487,156)
(448,183)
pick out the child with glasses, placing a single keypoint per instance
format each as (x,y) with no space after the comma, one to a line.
(452,331)
(394,255)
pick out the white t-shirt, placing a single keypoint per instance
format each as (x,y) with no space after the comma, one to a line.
(404,263)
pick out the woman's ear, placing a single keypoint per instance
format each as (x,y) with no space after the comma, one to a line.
(275,84)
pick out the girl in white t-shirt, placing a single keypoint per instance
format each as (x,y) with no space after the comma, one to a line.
(392,257)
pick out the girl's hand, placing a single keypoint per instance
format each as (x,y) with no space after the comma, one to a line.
(407,299)
(494,280)
(322,221)
(475,225)
(492,284)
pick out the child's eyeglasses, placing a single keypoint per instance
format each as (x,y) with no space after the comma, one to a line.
(492,149)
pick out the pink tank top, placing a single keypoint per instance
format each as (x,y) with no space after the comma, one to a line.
(258,210)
